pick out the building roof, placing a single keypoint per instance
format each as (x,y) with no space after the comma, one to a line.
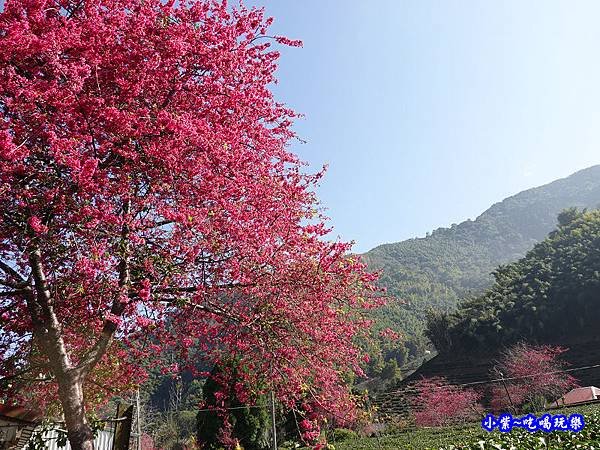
(19,414)
(581,394)
(18,424)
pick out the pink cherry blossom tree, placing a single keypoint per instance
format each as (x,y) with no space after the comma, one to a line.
(439,403)
(534,374)
(149,203)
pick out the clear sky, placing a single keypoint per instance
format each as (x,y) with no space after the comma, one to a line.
(428,112)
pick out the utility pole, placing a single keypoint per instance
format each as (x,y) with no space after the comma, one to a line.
(139,425)
(273,424)
(512,406)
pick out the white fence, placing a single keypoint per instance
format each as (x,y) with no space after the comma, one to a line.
(103,441)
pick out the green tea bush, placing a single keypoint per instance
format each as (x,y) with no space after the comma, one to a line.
(343,434)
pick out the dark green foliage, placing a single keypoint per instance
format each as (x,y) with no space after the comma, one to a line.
(250,423)
(382,350)
(438,330)
(390,371)
(567,216)
(208,423)
(174,429)
(553,294)
(342,435)
(435,272)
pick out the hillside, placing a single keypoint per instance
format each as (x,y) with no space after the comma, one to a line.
(551,296)
(455,263)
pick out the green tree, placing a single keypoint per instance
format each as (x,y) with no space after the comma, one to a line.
(390,371)
(438,330)
(249,424)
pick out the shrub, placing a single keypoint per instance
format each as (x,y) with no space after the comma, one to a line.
(343,434)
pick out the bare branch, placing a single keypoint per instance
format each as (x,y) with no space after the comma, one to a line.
(159,224)
(192,289)
(19,374)
(12,272)
(13,293)
(213,309)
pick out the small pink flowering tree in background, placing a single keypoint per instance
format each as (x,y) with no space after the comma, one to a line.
(149,203)
(440,403)
(535,375)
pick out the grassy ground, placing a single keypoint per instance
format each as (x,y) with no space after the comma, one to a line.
(467,437)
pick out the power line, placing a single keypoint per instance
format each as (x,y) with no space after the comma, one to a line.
(217,408)
(496,380)
(533,375)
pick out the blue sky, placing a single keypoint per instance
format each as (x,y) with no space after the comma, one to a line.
(428,112)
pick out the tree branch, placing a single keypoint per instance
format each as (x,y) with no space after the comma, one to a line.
(94,355)
(13,273)
(19,374)
(13,293)
(213,309)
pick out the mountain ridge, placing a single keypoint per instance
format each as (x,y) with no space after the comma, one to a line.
(592,170)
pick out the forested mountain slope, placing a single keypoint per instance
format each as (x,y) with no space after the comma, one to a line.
(454,263)
(551,295)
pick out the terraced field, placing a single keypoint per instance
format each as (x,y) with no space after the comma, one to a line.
(476,368)
(472,436)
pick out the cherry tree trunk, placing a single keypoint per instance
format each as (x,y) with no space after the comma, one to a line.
(79,431)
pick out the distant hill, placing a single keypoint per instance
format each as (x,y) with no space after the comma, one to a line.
(454,263)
